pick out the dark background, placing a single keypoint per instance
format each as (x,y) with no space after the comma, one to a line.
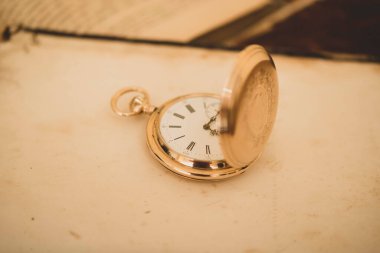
(340,29)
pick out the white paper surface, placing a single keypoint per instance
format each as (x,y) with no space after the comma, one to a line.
(76,178)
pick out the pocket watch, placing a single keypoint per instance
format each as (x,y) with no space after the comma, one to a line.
(209,136)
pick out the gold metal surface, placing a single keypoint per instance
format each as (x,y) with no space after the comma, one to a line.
(248,111)
(181,164)
(138,104)
(248,108)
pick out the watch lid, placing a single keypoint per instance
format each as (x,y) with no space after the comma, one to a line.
(248,106)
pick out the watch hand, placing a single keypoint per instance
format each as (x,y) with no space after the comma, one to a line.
(214,132)
(207,125)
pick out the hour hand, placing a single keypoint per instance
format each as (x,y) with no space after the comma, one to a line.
(207,125)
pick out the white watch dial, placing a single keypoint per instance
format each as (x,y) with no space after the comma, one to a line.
(191,126)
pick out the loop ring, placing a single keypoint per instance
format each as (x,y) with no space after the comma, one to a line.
(144,101)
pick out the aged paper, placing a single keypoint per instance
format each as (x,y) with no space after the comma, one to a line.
(76,178)
(179,20)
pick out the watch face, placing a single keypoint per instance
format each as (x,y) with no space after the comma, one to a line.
(190,127)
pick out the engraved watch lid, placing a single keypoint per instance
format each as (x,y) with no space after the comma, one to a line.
(248,106)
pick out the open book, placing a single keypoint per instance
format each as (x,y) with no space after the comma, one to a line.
(173,20)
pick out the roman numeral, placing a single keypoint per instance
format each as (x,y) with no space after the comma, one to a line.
(190,108)
(191,146)
(179,115)
(179,137)
(208,150)
(171,126)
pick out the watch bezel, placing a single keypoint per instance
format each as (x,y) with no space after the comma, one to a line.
(179,163)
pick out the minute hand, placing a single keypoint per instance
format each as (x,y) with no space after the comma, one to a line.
(207,125)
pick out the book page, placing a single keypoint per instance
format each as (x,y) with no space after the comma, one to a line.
(179,20)
(76,178)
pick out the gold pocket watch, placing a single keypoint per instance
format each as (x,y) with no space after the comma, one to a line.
(210,136)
